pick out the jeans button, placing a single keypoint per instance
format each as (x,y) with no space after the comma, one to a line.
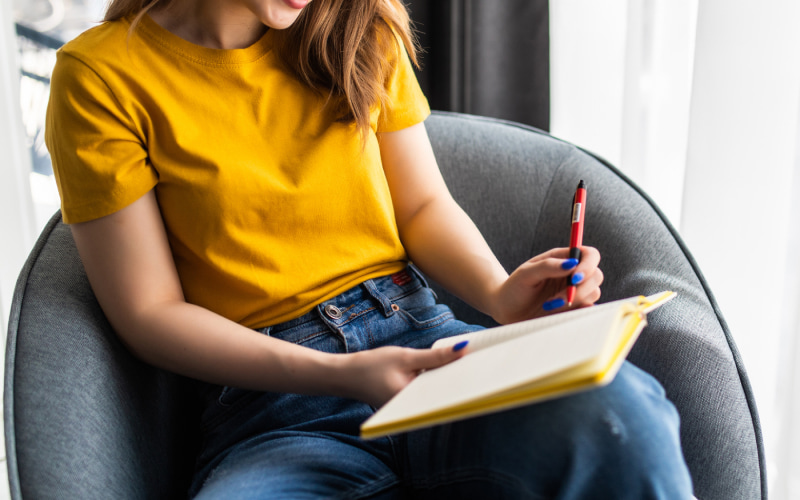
(333,312)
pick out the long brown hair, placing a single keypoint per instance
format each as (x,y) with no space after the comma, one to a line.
(337,47)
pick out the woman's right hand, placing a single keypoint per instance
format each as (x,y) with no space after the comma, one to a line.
(542,281)
(376,375)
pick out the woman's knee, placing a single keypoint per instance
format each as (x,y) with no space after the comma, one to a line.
(619,441)
(622,439)
(630,440)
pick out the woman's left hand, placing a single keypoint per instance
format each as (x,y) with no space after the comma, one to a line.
(539,286)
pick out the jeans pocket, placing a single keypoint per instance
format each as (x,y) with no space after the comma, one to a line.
(231,396)
(421,310)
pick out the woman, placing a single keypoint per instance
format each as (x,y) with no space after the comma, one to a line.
(246,182)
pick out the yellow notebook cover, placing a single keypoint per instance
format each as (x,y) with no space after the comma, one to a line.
(519,364)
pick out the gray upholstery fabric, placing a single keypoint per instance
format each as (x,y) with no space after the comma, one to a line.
(84,419)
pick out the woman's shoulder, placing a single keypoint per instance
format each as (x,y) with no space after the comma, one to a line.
(110,52)
(107,40)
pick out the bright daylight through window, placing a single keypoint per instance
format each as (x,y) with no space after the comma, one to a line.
(42,26)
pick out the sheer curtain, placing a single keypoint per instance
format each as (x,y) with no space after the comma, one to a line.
(17,220)
(699,102)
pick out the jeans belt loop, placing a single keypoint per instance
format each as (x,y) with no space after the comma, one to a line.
(415,270)
(383,301)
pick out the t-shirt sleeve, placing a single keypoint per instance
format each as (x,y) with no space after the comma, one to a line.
(406,104)
(99,158)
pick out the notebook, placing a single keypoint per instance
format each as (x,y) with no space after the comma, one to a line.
(519,364)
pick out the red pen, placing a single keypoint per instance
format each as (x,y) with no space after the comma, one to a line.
(576,234)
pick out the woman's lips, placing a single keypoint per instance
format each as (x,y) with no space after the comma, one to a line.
(297,4)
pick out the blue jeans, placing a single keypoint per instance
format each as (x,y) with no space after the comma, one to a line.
(620,441)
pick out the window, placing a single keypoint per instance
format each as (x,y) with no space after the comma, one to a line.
(42,26)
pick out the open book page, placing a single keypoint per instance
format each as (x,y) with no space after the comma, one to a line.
(485,338)
(593,373)
(518,361)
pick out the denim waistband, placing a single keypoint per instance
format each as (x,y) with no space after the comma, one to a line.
(382,291)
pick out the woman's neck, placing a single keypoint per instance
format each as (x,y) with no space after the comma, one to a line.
(210,23)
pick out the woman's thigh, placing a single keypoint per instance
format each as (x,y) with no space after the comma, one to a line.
(620,441)
(300,465)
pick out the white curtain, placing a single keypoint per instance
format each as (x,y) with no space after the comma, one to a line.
(699,102)
(17,219)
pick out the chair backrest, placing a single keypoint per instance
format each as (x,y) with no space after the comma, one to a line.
(84,419)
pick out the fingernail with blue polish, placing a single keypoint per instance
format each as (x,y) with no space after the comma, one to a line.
(460,345)
(554,304)
(569,264)
(576,278)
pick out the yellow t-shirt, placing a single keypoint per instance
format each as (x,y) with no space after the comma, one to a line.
(270,206)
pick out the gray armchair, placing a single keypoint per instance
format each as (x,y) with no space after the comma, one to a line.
(84,419)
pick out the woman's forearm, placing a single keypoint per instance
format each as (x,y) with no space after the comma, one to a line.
(437,234)
(443,241)
(128,261)
(198,343)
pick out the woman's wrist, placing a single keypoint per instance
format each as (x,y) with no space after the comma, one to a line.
(331,373)
(493,298)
